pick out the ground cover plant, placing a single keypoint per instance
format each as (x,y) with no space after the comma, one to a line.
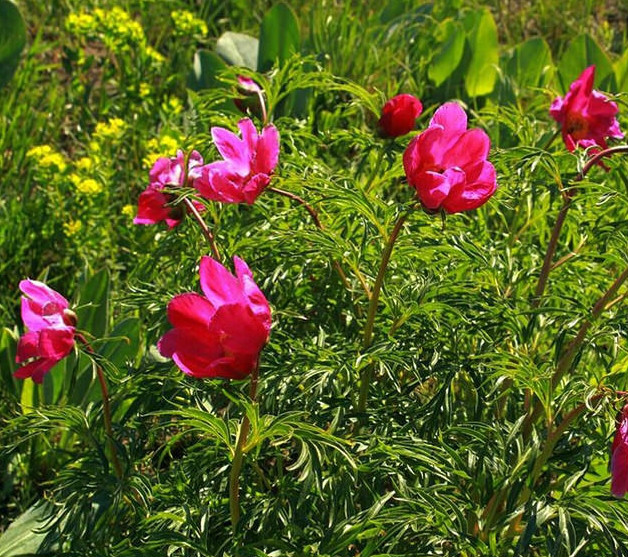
(313,278)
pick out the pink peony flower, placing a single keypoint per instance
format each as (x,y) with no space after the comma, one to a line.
(399,115)
(222,333)
(51,327)
(154,205)
(247,166)
(619,457)
(586,116)
(447,165)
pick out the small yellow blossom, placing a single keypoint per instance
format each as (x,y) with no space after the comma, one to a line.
(185,23)
(145,90)
(172,105)
(128,211)
(72,227)
(87,186)
(112,129)
(168,144)
(80,24)
(154,56)
(85,163)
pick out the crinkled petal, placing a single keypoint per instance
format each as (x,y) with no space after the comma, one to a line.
(239,329)
(233,149)
(190,310)
(152,207)
(466,196)
(249,136)
(41,293)
(432,189)
(472,146)
(56,342)
(267,151)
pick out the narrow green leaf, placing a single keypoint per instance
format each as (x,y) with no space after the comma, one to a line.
(621,72)
(93,304)
(482,73)
(279,37)
(530,63)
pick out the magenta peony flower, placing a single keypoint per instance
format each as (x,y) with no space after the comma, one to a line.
(399,115)
(154,204)
(51,327)
(222,333)
(586,116)
(619,457)
(247,166)
(447,165)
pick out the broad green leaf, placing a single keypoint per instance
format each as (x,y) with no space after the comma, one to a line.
(93,303)
(583,52)
(279,37)
(450,54)
(482,72)
(238,49)
(621,72)
(23,536)
(12,39)
(206,66)
(530,63)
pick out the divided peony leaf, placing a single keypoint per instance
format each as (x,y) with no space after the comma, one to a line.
(12,39)
(279,37)
(238,49)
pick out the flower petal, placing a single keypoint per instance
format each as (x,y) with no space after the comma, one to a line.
(218,284)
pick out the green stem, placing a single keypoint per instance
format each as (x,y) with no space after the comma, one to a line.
(238,456)
(367,339)
(204,228)
(106,408)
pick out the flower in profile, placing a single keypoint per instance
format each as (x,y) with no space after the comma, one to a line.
(399,115)
(51,326)
(619,456)
(247,166)
(586,116)
(221,333)
(446,164)
(155,204)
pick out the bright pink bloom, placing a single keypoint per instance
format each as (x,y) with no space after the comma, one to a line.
(399,115)
(154,205)
(586,116)
(619,457)
(222,333)
(247,166)
(51,327)
(447,165)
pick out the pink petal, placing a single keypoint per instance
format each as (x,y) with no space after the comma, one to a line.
(41,293)
(36,369)
(467,196)
(239,329)
(218,182)
(267,151)
(27,347)
(233,149)
(218,284)
(471,147)
(190,310)
(432,188)
(249,136)
(257,301)
(619,470)
(56,343)
(254,187)
(452,117)
(152,207)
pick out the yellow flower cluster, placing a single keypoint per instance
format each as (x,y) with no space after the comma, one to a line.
(47,157)
(165,146)
(72,227)
(113,129)
(115,28)
(86,186)
(172,105)
(185,23)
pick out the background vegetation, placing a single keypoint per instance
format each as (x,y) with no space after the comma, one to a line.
(444,465)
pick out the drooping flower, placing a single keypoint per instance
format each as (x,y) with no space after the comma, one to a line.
(154,204)
(247,166)
(399,115)
(586,116)
(221,333)
(446,164)
(619,456)
(51,326)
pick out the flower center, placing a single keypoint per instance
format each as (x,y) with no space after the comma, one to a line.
(576,126)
